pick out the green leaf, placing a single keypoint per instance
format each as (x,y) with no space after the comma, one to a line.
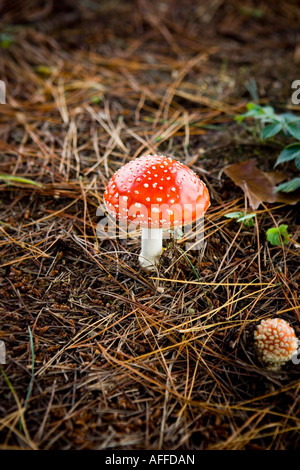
(289,187)
(271,130)
(18,179)
(289,153)
(294,130)
(254,110)
(253,106)
(241,217)
(289,117)
(249,223)
(297,162)
(234,215)
(241,117)
(269,111)
(246,217)
(279,235)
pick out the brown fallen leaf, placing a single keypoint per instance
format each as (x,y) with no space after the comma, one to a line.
(258,185)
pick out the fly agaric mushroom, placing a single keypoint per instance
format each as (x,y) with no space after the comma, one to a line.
(155,192)
(276,342)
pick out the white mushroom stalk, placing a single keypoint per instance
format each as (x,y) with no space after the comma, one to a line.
(156,193)
(151,245)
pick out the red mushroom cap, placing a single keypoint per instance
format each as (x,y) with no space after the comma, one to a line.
(276,342)
(156,191)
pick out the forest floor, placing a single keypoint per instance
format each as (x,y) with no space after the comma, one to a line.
(100,354)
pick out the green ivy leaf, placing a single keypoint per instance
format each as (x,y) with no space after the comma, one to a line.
(289,117)
(289,153)
(294,130)
(279,235)
(270,130)
(289,187)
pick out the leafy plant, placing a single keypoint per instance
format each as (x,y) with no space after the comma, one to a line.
(290,152)
(279,235)
(290,186)
(271,124)
(247,219)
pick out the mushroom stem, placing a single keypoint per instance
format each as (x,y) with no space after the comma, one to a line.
(151,247)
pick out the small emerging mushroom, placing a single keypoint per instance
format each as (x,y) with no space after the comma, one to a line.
(156,192)
(276,342)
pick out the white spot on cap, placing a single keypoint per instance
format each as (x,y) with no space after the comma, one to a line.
(146,185)
(137,204)
(155,209)
(125,198)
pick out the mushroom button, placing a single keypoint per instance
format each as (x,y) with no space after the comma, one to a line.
(155,192)
(275,342)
